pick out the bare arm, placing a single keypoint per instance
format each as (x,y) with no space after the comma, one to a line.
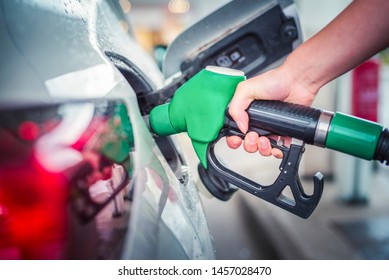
(355,35)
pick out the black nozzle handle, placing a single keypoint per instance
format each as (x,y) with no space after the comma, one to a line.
(284,119)
(301,205)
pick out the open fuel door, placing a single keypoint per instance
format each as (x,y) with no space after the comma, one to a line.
(249,35)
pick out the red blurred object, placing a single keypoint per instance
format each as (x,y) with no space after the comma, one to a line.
(33,203)
(28,131)
(365,79)
(47,169)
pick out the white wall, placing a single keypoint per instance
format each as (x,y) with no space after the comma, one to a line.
(314,15)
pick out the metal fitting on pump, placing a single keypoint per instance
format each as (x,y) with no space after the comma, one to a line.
(322,128)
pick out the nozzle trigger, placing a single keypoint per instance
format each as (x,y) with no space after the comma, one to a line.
(301,205)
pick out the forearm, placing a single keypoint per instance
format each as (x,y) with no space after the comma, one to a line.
(359,32)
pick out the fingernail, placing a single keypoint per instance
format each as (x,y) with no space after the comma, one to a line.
(252,138)
(263,143)
(236,141)
(277,154)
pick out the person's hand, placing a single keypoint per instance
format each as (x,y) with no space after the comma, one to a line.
(277,84)
(336,49)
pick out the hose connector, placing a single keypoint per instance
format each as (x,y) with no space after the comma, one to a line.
(382,151)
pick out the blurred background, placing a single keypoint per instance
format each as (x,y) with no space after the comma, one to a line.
(352,220)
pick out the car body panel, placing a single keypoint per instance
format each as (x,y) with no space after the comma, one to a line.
(55,53)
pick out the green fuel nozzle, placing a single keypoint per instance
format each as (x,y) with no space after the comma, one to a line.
(199,107)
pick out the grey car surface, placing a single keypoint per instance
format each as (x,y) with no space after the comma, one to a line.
(81,176)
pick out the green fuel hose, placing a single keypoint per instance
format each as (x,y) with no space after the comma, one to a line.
(336,131)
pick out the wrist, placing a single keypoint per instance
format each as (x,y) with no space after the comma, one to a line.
(301,82)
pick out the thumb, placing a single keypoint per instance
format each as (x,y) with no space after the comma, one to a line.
(240,102)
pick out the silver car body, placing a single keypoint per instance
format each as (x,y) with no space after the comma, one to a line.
(56,51)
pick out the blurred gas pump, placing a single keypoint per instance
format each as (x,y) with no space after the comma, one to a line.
(354,176)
